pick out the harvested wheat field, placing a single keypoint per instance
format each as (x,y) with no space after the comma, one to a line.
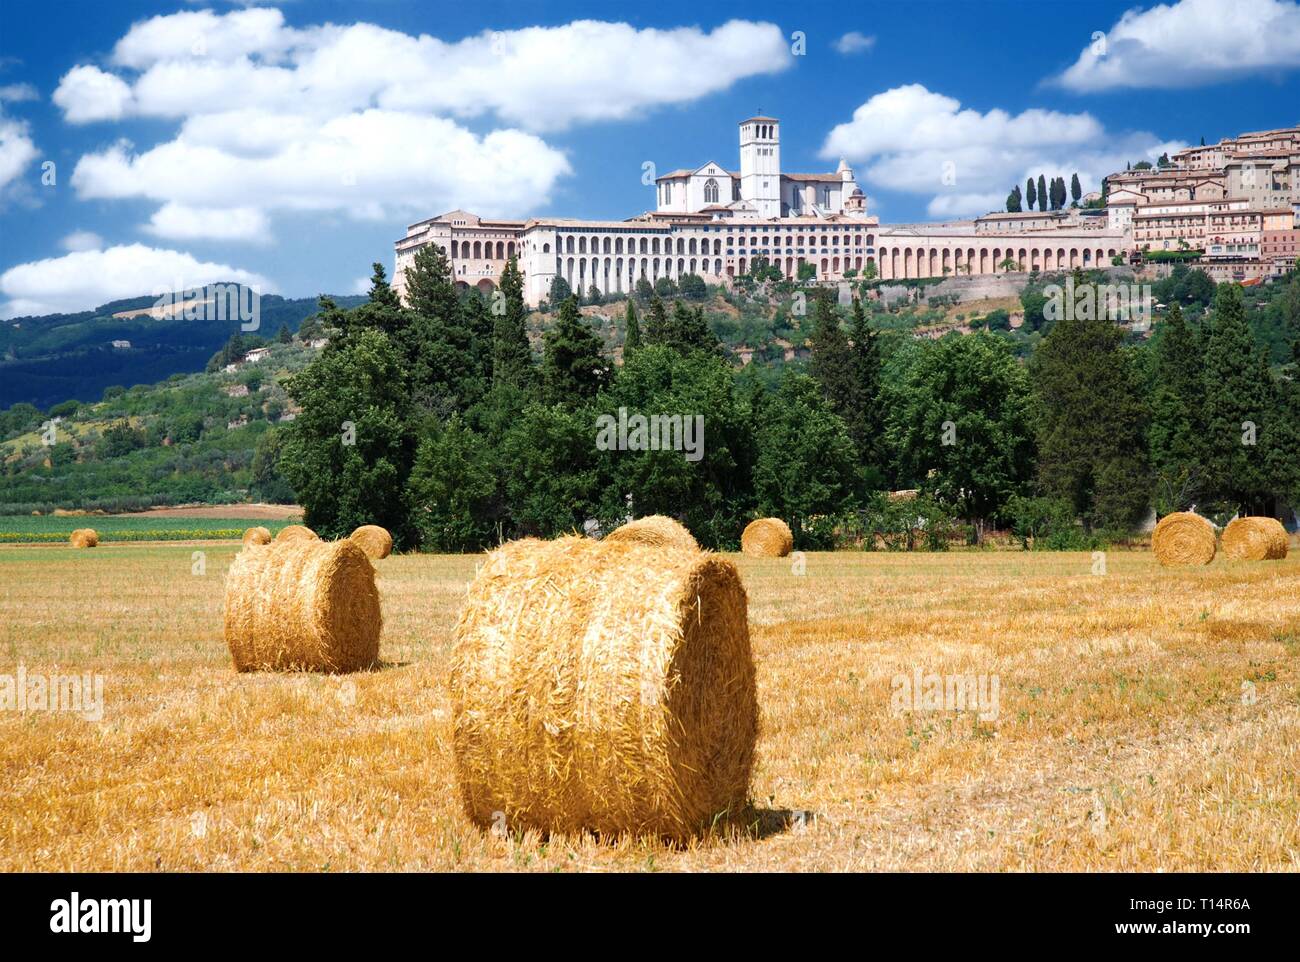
(1147,718)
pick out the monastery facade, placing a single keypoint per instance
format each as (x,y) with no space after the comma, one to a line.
(1230,200)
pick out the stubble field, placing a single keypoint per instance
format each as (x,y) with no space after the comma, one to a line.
(1147,719)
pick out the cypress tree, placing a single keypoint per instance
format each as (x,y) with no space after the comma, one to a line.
(573,368)
(1091,422)
(1239,403)
(1177,404)
(632,339)
(512,357)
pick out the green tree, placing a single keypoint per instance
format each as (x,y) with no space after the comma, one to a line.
(1091,423)
(267,481)
(573,368)
(831,357)
(443,341)
(512,356)
(1043,198)
(452,494)
(1031,193)
(959,424)
(1177,402)
(1076,189)
(707,483)
(632,338)
(863,414)
(806,460)
(284,337)
(560,291)
(347,455)
(1014,201)
(1239,405)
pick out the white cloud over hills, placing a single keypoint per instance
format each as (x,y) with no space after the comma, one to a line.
(369,121)
(916,141)
(87,278)
(1189,44)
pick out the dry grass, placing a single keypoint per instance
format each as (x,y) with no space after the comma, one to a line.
(1150,718)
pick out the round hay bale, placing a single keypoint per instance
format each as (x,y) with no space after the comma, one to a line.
(257,535)
(84,538)
(297,532)
(767,538)
(303,606)
(375,541)
(655,530)
(606,687)
(1255,539)
(1183,538)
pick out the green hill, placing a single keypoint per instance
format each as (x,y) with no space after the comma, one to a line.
(55,357)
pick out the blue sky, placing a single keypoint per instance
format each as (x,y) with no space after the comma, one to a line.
(290,144)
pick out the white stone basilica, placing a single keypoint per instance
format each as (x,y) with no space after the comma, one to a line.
(714,222)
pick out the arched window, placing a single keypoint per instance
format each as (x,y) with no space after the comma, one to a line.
(710,191)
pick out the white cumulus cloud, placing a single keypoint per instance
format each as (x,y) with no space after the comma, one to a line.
(84,279)
(854,42)
(181,222)
(369,121)
(1188,44)
(914,140)
(82,240)
(86,94)
(17,149)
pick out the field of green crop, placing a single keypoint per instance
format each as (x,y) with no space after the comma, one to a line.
(31,529)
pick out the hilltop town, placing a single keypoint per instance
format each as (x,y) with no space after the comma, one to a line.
(1231,208)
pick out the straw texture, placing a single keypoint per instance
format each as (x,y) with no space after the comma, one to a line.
(767,538)
(297,532)
(302,605)
(606,687)
(1183,538)
(257,535)
(655,530)
(1255,539)
(84,538)
(375,541)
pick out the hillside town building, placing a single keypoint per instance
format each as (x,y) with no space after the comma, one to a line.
(715,221)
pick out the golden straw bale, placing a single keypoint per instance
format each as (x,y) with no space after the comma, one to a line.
(303,605)
(767,538)
(375,541)
(297,532)
(604,686)
(257,535)
(1255,539)
(84,538)
(655,530)
(1183,538)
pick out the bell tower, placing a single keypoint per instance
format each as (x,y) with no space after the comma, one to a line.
(760,164)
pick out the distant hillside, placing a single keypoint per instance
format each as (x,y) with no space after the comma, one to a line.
(56,357)
(190,438)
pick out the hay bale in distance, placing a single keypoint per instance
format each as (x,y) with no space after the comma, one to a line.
(297,532)
(257,535)
(655,530)
(604,686)
(84,538)
(303,605)
(1183,538)
(1255,539)
(767,538)
(375,541)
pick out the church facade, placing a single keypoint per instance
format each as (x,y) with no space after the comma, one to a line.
(715,222)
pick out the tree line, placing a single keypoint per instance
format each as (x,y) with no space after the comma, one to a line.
(437,419)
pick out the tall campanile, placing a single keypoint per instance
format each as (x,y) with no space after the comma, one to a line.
(760,164)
